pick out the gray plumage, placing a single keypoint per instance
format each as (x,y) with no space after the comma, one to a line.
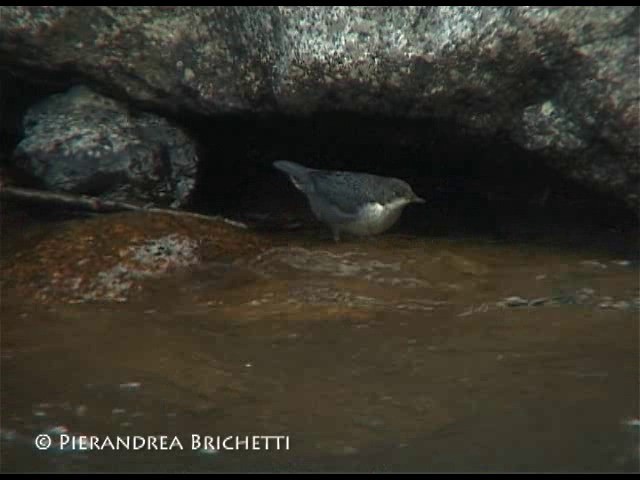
(357,203)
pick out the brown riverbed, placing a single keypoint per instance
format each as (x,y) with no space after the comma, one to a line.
(403,352)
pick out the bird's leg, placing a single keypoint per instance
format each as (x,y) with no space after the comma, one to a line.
(336,234)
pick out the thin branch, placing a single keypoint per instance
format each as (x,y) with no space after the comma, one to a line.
(94,204)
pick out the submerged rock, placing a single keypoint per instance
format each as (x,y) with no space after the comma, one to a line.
(559,80)
(82,142)
(109,258)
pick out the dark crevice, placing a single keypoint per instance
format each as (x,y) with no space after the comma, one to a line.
(479,186)
(473,186)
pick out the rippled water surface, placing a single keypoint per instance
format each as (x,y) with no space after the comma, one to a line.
(396,353)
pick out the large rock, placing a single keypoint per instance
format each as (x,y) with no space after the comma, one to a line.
(560,80)
(109,257)
(82,142)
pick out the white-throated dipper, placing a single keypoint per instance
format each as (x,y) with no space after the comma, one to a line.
(356,203)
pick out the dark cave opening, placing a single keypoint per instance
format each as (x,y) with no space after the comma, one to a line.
(474,186)
(487,187)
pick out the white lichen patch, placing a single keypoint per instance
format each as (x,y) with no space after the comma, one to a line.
(154,258)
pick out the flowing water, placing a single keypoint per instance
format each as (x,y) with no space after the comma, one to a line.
(403,353)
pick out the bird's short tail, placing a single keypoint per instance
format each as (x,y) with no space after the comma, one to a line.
(298,174)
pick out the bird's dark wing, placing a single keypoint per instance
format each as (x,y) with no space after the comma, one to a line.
(347,191)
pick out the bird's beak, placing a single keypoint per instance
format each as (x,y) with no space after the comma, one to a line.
(419,200)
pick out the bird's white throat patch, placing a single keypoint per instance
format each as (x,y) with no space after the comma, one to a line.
(397,203)
(373,209)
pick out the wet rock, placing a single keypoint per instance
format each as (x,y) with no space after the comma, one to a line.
(515,302)
(593,264)
(619,305)
(559,80)
(584,295)
(538,302)
(82,142)
(622,263)
(111,257)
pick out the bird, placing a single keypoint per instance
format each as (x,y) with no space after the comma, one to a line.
(360,204)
